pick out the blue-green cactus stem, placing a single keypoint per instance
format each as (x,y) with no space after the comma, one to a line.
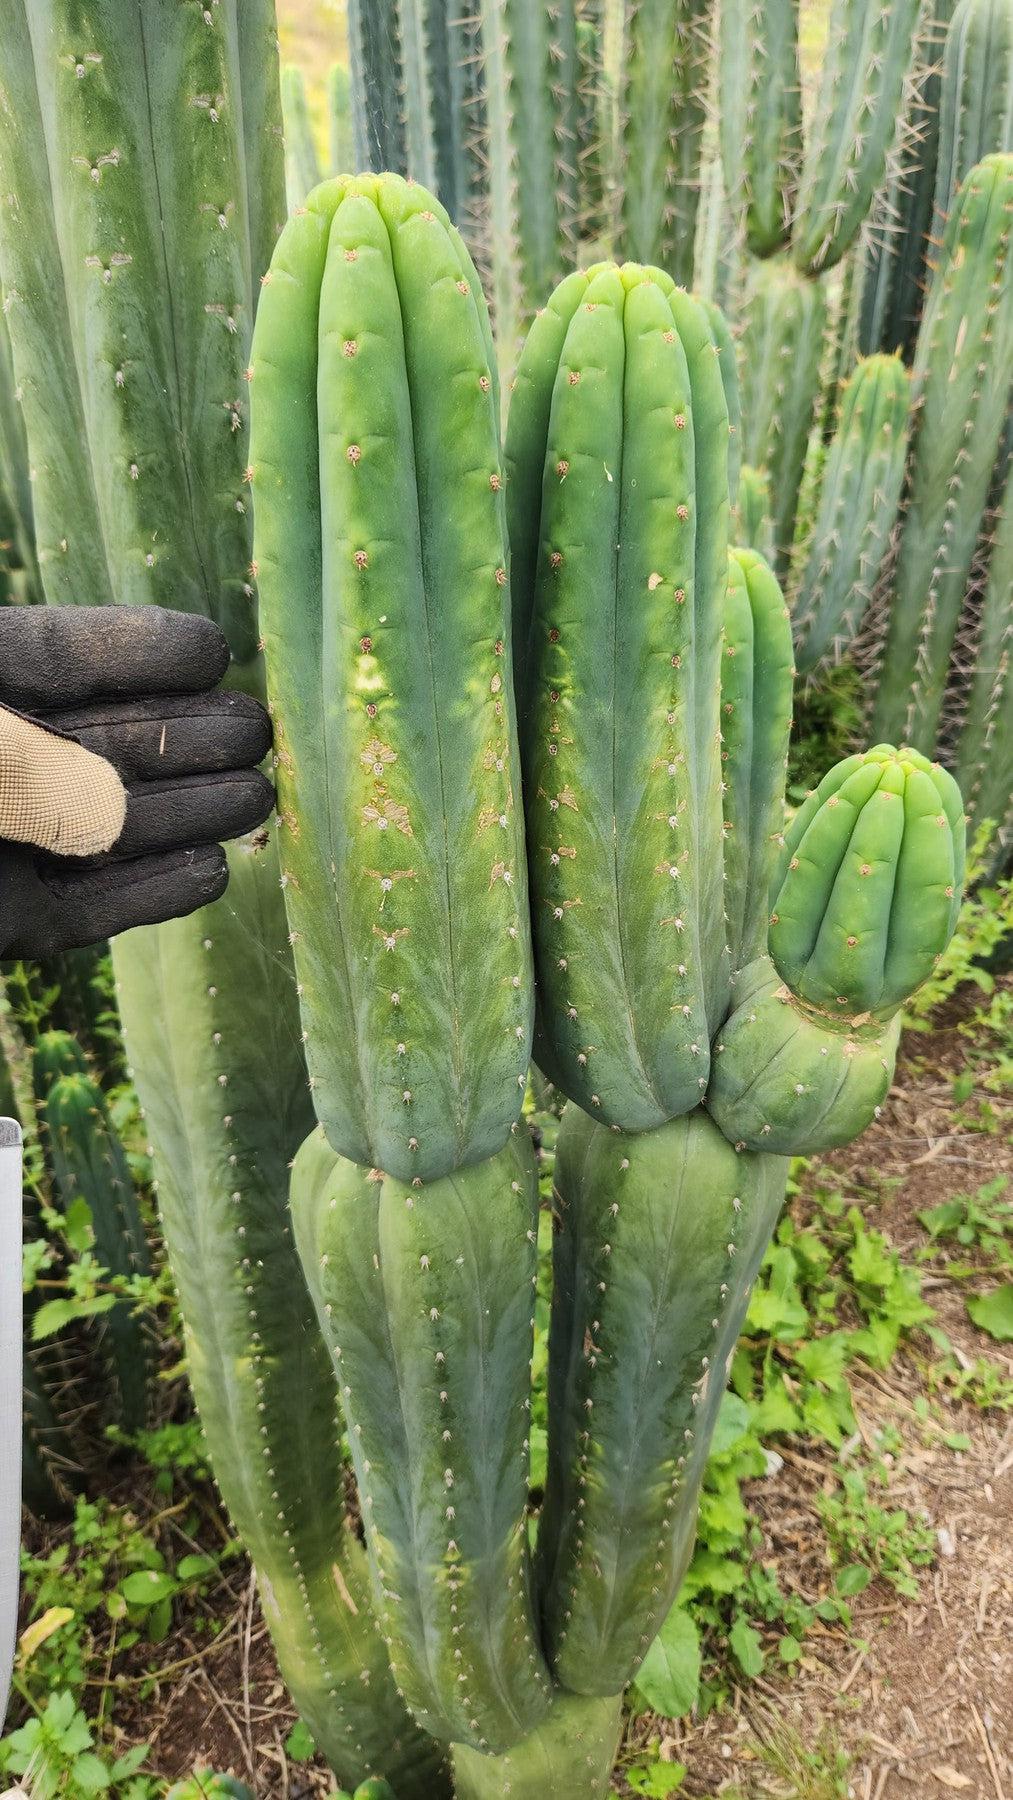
(724,349)
(378,125)
(896,238)
(753,526)
(381,545)
(760,117)
(570,1757)
(787,1079)
(868,884)
(617,573)
(658,1240)
(975,96)
(50,1470)
(780,362)
(140,128)
(859,499)
(983,762)
(424,1294)
(339,120)
(963,372)
(302,161)
(17,519)
(662,106)
(855,124)
(756,687)
(214,995)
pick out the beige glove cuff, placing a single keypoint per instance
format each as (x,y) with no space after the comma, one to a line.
(54,793)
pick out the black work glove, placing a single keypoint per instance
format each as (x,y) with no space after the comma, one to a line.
(122,770)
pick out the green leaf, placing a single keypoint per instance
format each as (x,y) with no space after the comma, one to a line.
(852,1579)
(669,1678)
(77,1225)
(734,1421)
(190,1567)
(789,1649)
(941,1219)
(146,1587)
(129,1762)
(52,1316)
(746,1647)
(90,1773)
(656,1779)
(299,1744)
(993,1312)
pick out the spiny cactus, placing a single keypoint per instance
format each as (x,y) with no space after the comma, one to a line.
(780,357)
(302,163)
(378,129)
(88,1163)
(896,235)
(659,1240)
(753,526)
(760,117)
(214,995)
(663,106)
(130,321)
(427,1310)
(17,522)
(399,801)
(984,754)
(633,637)
(854,125)
(975,96)
(570,1756)
(859,498)
(963,371)
(49,1468)
(756,688)
(865,900)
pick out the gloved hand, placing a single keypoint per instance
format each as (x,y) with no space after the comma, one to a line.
(122,770)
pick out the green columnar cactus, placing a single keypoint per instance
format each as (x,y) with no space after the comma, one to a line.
(756,688)
(663,104)
(753,526)
(570,1757)
(855,123)
(984,754)
(878,846)
(780,361)
(339,118)
(374,61)
(17,523)
(760,117)
(724,346)
(49,1468)
(302,163)
(88,1163)
(975,97)
(858,504)
(659,1239)
(593,122)
(132,314)
(963,371)
(897,234)
(380,517)
(626,899)
(425,1296)
(54,1055)
(214,995)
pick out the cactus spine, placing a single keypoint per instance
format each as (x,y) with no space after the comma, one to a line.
(663,102)
(976,96)
(634,636)
(378,127)
(855,122)
(858,504)
(427,1310)
(963,371)
(760,117)
(390,505)
(196,994)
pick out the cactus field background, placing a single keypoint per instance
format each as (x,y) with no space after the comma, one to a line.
(256,1596)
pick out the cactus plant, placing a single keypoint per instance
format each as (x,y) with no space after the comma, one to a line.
(858,504)
(984,753)
(780,358)
(975,97)
(378,133)
(663,104)
(635,637)
(802,1065)
(760,117)
(411,777)
(130,322)
(196,994)
(302,163)
(339,119)
(428,1315)
(753,526)
(854,125)
(963,371)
